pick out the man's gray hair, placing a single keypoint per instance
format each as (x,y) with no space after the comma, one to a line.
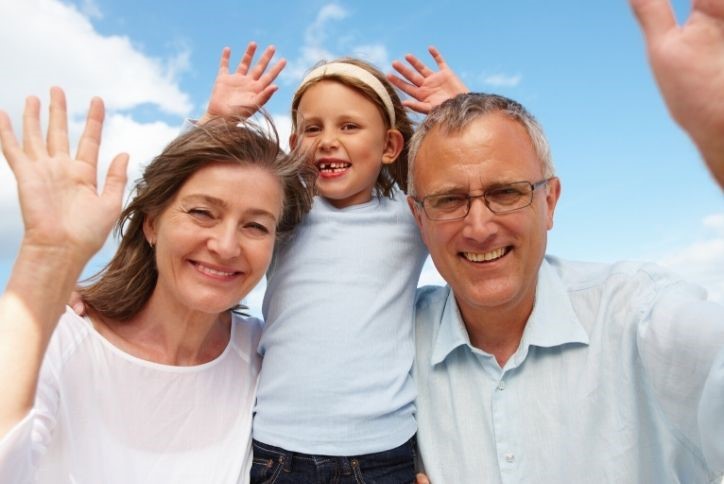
(457,113)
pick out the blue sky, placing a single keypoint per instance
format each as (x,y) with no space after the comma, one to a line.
(633,186)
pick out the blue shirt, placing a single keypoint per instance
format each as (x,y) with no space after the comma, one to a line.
(604,387)
(338,342)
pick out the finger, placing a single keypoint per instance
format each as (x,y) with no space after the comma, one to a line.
(418,65)
(421,478)
(58,123)
(32,135)
(269,77)
(402,85)
(90,140)
(437,56)
(11,149)
(417,106)
(261,66)
(224,63)
(712,8)
(654,16)
(411,76)
(243,67)
(115,184)
(262,98)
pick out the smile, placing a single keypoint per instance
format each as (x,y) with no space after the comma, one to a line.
(214,272)
(332,167)
(486,256)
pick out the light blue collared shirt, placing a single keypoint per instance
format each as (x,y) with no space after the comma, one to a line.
(604,387)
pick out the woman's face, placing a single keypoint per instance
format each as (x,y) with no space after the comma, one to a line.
(214,241)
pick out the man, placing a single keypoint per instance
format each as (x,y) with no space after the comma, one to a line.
(536,369)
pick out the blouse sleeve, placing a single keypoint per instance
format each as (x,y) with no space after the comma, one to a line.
(24,445)
(711,415)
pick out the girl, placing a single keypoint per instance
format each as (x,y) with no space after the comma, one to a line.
(336,397)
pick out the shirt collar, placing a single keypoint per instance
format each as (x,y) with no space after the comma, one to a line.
(553,322)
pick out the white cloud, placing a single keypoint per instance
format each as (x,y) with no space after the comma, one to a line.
(502,80)
(703,261)
(49,43)
(314,50)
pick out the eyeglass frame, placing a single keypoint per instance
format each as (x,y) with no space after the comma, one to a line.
(469,198)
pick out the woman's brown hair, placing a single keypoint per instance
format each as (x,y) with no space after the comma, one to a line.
(123,287)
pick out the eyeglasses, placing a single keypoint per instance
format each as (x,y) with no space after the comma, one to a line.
(499,199)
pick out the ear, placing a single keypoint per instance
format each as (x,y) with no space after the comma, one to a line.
(149,229)
(393,146)
(553,193)
(293,141)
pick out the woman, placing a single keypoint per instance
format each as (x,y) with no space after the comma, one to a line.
(157,383)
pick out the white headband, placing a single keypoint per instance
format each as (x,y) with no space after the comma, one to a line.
(355,72)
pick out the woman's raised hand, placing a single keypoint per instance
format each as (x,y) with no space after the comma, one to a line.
(243,91)
(61,207)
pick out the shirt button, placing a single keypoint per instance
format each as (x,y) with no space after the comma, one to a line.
(509,457)
(501,386)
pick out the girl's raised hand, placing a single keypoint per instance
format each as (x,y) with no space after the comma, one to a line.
(428,88)
(61,207)
(245,90)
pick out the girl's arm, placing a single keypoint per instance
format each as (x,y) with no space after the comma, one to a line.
(66,221)
(243,91)
(428,88)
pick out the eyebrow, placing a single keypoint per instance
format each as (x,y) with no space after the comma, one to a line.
(218,202)
(448,189)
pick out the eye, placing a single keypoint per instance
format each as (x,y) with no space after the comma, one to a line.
(311,129)
(200,213)
(257,229)
(349,126)
(449,201)
(506,195)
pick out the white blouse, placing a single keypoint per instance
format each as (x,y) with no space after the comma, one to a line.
(104,416)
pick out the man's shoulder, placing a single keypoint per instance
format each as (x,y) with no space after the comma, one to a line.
(431,298)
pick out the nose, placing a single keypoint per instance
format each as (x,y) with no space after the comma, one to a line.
(225,241)
(328,140)
(479,223)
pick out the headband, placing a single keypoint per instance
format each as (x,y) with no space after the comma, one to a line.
(355,72)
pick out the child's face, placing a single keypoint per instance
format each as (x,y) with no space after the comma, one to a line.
(351,140)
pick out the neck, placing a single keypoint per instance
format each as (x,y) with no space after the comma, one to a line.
(171,336)
(497,331)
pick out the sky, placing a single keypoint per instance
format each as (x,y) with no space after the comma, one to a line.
(634,187)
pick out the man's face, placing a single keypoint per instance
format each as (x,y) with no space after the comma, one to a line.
(490,261)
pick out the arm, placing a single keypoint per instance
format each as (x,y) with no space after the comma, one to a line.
(66,221)
(428,88)
(688,64)
(245,90)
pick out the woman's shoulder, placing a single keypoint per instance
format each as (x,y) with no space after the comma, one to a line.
(245,334)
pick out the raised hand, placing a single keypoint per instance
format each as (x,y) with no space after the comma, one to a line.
(61,207)
(428,88)
(245,90)
(688,63)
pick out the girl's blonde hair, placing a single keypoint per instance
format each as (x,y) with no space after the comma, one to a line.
(393,173)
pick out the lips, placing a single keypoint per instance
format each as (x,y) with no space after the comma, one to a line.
(215,272)
(484,257)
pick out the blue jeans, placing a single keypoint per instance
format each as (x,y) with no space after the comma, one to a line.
(273,465)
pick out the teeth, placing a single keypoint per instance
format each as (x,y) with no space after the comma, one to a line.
(333,166)
(486,256)
(213,272)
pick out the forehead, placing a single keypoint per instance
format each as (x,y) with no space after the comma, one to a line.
(491,149)
(246,187)
(333,94)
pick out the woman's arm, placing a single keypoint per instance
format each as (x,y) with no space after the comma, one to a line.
(66,221)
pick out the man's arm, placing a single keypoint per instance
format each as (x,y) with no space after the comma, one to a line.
(688,64)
